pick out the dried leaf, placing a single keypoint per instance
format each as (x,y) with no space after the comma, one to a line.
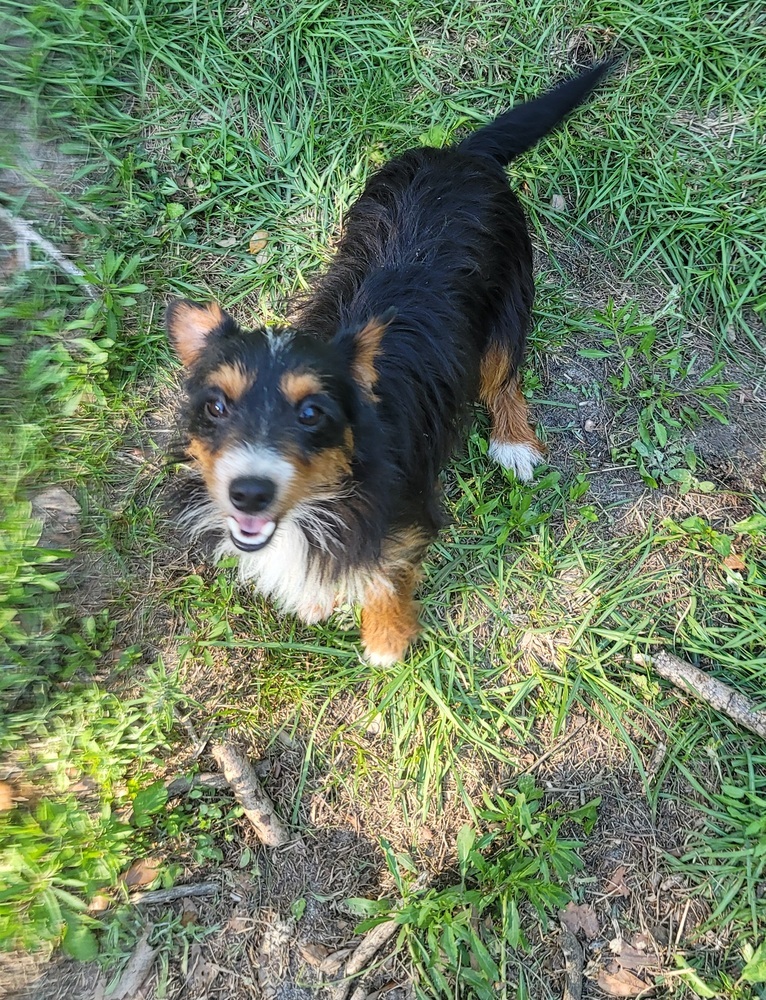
(138,968)
(230,241)
(558,203)
(258,241)
(580,917)
(629,957)
(334,962)
(616,885)
(621,983)
(6,796)
(142,872)
(735,562)
(202,973)
(314,954)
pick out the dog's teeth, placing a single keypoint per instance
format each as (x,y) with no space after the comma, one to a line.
(268,530)
(252,537)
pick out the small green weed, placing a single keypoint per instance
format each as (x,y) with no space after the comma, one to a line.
(198,825)
(661,383)
(54,859)
(464,937)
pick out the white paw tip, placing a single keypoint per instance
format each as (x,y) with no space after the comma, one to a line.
(519,458)
(381,659)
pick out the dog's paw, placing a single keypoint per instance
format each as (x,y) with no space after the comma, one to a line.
(519,458)
(386,657)
(386,645)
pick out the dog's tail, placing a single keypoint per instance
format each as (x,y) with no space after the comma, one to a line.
(516,131)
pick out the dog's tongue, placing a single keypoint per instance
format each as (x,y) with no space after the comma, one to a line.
(249,524)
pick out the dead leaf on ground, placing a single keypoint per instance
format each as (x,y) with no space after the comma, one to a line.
(580,917)
(616,884)
(6,796)
(258,241)
(314,954)
(735,562)
(332,965)
(629,957)
(620,982)
(202,973)
(137,970)
(142,872)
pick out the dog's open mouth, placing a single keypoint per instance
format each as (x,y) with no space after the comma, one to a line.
(250,532)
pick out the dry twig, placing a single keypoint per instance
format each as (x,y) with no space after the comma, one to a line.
(709,689)
(573,963)
(138,968)
(28,234)
(177,892)
(183,785)
(248,791)
(370,944)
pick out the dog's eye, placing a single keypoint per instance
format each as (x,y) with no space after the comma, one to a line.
(216,408)
(309,415)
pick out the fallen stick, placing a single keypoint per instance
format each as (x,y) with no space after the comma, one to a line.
(30,235)
(370,944)
(138,968)
(700,684)
(183,785)
(155,896)
(573,963)
(249,792)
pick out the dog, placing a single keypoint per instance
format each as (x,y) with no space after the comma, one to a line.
(321,443)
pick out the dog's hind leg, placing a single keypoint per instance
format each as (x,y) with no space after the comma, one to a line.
(512,443)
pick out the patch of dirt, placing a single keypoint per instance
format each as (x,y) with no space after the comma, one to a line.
(735,453)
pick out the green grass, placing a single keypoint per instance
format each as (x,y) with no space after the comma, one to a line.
(189,129)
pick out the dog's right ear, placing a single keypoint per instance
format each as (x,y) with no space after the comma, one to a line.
(189,324)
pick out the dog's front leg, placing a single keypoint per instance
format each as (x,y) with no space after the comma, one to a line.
(389,619)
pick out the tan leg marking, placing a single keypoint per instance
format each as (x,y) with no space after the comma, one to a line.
(389,623)
(390,612)
(513,444)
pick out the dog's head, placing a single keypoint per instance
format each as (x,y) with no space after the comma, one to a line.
(270,414)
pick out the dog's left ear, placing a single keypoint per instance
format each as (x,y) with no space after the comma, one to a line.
(366,348)
(189,324)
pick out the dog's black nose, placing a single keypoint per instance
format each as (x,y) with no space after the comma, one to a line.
(251,495)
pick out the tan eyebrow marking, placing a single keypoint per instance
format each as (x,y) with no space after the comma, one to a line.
(233,379)
(295,386)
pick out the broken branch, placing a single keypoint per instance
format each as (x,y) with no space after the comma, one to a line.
(155,896)
(27,234)
(573,963)
(183,785)
(138,968)
(249,792)
(370,944)
(701,685)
